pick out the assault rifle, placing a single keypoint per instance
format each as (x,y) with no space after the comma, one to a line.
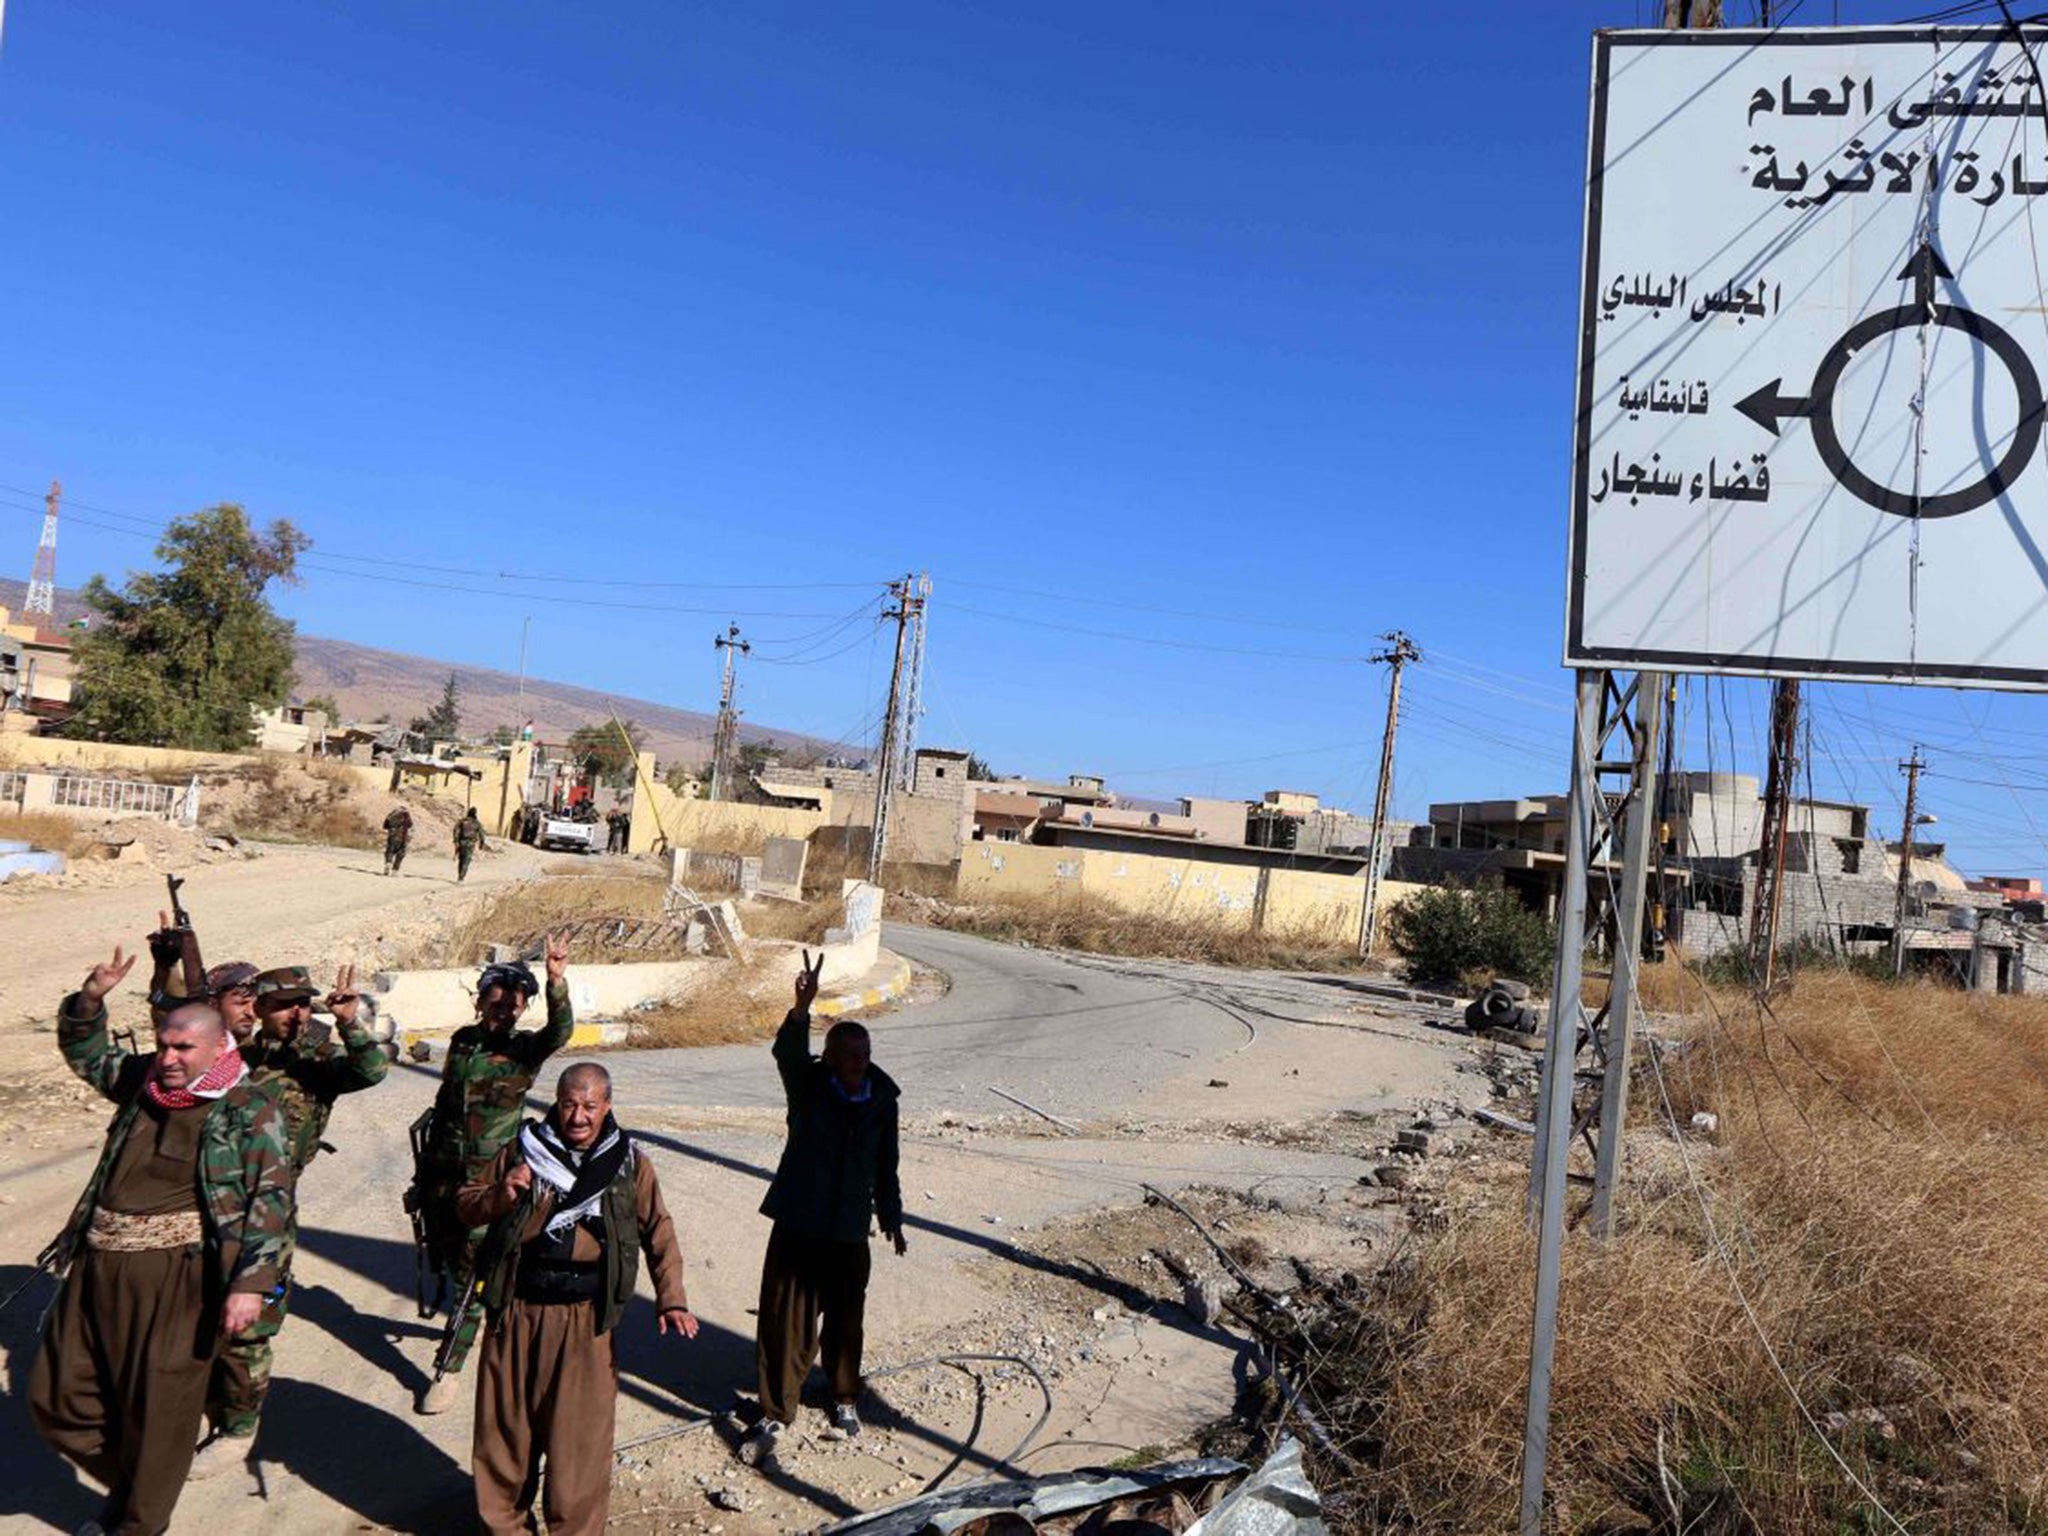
(178,943)
(416,1207)
(490,1252)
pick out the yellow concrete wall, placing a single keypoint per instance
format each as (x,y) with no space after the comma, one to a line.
(495,792)
(722,825)
(923,829)
(1167,887)
(113,759)
(108,757)
(1297,902)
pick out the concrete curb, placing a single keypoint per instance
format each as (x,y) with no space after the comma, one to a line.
(589,1036)
(895,986)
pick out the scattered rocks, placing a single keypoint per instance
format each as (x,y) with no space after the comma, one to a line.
(1202,1299)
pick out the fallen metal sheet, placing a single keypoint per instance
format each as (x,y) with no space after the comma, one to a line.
(1276,1500)
(1031,1500)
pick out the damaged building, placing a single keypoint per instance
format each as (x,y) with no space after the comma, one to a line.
(1840,888)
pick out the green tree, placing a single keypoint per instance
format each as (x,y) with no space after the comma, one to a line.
(757,756)
(444,721)
(326,704)
(681,776)
(599,745)
(978,768)
(181,656)
(503,736)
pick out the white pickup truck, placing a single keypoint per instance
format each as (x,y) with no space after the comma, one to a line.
(565,833)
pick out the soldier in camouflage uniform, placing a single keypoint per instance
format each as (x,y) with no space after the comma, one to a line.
(397,835)
(174,1244)
(305,1078)
(469,836)
(490,1067)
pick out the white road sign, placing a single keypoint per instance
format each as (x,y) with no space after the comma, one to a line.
(1809,436)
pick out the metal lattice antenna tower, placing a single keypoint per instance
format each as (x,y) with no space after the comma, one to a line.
(42,584)
(913,709)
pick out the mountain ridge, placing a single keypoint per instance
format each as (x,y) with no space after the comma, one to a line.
(368,682)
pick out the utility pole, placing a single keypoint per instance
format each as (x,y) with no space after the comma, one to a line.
(725,735)
(525,633)
(1911,769)
(909,595)
(1399,652)
(1779,780)
(42,581)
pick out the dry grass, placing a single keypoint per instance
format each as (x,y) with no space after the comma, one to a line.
(1096,927)
(745,1002)
(1879,1196)
(50,831)
(804,922)
(294,800)
(529,907)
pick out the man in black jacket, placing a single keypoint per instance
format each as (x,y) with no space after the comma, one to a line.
(838,1168)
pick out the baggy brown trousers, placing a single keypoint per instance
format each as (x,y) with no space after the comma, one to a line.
(119,1382)
(806,1281)
(547,1389)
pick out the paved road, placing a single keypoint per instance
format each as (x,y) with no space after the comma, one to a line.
(1078,1041)
(1133,1052)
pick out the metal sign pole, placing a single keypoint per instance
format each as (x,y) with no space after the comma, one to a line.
(1554,1120)
(1628,945)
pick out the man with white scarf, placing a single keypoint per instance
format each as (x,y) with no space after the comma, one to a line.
(571,1204)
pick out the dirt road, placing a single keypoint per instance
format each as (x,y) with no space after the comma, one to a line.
(1018,1231)
(281,905)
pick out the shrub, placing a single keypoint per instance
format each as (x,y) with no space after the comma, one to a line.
(1448,931)
(1731,967)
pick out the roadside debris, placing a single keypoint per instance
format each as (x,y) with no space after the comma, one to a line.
(1503,1004)
(1174,1496)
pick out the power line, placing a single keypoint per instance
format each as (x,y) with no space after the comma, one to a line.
(153,527)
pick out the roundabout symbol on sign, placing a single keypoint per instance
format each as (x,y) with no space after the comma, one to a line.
(1766,406)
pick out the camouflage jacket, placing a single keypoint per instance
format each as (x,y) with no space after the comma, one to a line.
(398,825)
(245,1174)
(484,1086)
(306,1080)
(468,834)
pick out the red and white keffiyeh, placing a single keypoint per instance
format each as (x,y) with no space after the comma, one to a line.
(227,1070)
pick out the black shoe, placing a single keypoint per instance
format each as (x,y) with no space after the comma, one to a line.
(845,1420)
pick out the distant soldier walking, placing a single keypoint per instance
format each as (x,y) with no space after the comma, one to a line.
(838,1169)
(304,1079)
(397,835)
(571,1204)
(490,1067)
(469,836)
(174,1244)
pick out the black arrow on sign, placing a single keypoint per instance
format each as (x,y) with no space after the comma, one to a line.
(1767,405)
(1923,268)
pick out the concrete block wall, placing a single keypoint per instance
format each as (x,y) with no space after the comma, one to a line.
(1277,901)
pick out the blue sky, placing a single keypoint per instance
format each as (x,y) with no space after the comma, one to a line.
(1187,347)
